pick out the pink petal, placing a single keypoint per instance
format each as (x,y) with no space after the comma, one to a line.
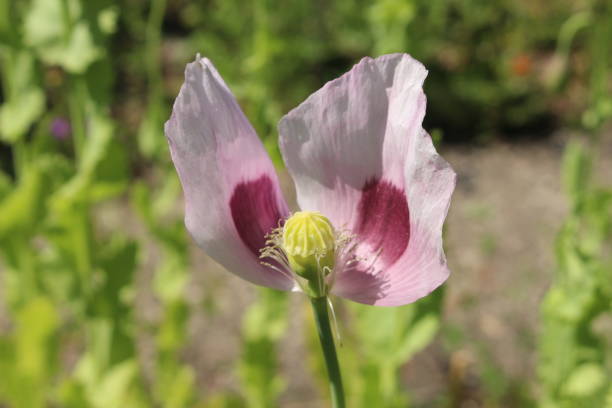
(358,154)
(232,195)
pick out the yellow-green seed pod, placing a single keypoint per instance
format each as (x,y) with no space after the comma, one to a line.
(309,242)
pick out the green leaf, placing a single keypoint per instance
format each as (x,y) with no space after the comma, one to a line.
(585,380)
(24,98)
(421,334)
(95,387)
(113,388)
(23,208)
(102,170)
(59,32)
(104,160)
(576,171)
(176,384)
(28,357)
(111,300)
(36,323)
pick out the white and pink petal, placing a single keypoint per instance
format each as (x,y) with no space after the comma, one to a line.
(417,264)
(358,154)
(232,194)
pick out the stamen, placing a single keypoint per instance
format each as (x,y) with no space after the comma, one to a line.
(273,251)
(348,244)
(284,272)
(345,245)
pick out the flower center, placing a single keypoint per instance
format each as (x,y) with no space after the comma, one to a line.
(309,242)
(308,248)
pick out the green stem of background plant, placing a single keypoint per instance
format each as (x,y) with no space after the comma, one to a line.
(326,336)
(77,104)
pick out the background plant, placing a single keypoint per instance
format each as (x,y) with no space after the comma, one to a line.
(90,216)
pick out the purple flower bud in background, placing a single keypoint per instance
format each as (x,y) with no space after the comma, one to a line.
(60,128)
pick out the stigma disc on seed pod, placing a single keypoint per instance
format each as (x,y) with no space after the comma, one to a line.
(309,243)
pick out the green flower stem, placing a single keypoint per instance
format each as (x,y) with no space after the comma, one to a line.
(319,306)
(77,105)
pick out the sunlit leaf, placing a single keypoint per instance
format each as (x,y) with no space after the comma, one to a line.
(27,357)
(23,208)
(24,99)
(62,35)
(585,380)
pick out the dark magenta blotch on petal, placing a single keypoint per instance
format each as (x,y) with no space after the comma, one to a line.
(255,211)
(384,221)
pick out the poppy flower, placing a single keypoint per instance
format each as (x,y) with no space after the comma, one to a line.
(373,191)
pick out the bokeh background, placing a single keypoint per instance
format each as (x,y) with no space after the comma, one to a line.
(105,301)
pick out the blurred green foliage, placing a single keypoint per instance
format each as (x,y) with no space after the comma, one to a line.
(494,67)
(575,358)
(264,325)
(384,339)
(107,71)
